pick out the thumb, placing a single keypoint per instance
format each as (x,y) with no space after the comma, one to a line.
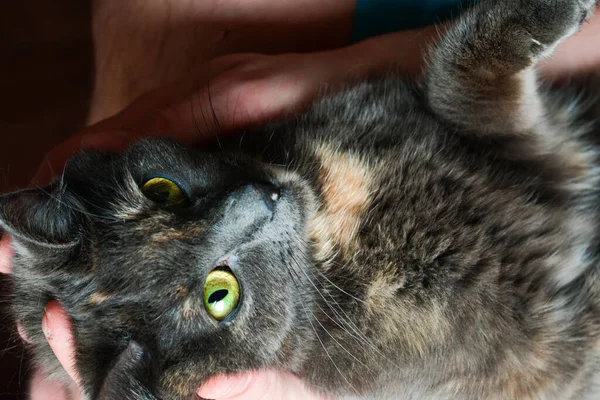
(6,253)
(257,385)
(57,329)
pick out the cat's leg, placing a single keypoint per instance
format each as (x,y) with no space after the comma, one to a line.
(481,76)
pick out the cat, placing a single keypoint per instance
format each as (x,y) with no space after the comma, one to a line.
(400,240)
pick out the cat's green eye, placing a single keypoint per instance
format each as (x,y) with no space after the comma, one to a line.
(164,191)
(221,294)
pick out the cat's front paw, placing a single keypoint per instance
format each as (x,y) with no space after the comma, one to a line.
(550,21)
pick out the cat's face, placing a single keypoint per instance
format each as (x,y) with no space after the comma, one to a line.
(196,259)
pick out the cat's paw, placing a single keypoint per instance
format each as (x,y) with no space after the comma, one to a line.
(506,36)
(548,22)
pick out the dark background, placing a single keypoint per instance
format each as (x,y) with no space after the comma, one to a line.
(46,61)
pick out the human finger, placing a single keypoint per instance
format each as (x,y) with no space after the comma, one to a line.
(56,326)
(6,252)
(41,388)
(258,385)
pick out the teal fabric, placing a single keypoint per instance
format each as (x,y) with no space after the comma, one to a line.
(376,17)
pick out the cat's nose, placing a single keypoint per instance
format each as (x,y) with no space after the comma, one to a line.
(250,205)
(255,197)
(267,193)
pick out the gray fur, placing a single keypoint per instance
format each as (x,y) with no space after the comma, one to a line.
(434,240)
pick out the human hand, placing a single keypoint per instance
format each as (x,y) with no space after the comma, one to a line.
(579,55)
(231,93)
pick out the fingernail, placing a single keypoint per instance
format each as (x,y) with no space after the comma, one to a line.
(45,327)
(223,386)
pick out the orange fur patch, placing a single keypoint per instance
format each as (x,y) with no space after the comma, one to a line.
(99,298)
(191,308)
(181,291)
(168,234)
(345,182)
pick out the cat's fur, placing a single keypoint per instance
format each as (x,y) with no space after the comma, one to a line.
(432,240)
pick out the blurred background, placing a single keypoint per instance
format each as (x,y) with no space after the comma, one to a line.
(46,61)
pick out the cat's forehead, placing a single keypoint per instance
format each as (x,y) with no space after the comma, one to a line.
(101,176)
(119,184)
(148,157)
(193,168)
(156,153)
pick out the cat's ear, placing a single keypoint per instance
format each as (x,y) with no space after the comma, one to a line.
(45,217)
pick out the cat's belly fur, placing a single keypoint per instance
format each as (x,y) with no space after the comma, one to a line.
(441,189)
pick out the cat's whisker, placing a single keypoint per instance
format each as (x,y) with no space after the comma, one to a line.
(361,339)
(357,336)
(235,107)
(107,211)
(348,279)
(62,184)
(347,320)
(216,123)
(279,165)
(8,347)
(337,342)
(13,337)
(204,116)
(340,289)
(21,365)
(340,326)
(194,114)
(242,136)
(320,293)
(345,330)
(320,340)
(338,323)
(212,108)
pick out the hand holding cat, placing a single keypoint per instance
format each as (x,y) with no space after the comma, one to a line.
(247,90)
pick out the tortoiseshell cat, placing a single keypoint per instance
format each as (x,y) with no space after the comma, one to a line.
(401,240)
